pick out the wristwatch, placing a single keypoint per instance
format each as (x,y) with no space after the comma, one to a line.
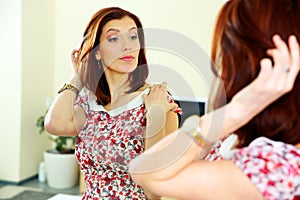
(191,127)
(69,87)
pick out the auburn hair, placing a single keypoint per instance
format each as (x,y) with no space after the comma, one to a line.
(91,71)
(243,33)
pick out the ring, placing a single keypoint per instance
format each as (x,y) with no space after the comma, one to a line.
(286,70)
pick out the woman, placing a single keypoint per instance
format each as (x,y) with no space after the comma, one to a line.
(110,120)
(257,67)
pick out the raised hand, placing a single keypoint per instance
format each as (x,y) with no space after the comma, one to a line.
(75,78)
(273,81)
(74,59)
(158,96)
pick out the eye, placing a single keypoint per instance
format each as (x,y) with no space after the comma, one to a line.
(133,37)
(113,39)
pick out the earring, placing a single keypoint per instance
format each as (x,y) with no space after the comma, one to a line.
(99,63)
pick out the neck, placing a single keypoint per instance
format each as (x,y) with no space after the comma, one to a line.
(118,84)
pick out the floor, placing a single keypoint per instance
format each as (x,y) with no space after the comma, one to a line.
(7,191)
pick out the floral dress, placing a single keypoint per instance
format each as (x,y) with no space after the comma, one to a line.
(273,167)
(105,146)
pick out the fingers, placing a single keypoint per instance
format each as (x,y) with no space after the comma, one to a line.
(159,95)
(176,109)
(75,52)
(285,57)
(74,55)
(144,96)
(280,54)
(266,68)
(164,84)
(280,77)
(158,91)
(294,48)
(295,59)
(163,87)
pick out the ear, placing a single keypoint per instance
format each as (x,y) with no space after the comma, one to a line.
(97,55)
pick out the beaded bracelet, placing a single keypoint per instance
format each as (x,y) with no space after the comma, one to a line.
(69,87)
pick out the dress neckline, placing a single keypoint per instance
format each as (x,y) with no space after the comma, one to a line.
(135,102)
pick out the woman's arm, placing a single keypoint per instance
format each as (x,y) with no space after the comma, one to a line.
(161,121)
(63,118)
(178,152)
(171,124)
(208,180)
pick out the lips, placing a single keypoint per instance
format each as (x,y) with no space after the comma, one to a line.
(127,58)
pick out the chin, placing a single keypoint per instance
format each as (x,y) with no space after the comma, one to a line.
(128,69)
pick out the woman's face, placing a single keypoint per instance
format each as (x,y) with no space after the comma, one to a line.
(119,45)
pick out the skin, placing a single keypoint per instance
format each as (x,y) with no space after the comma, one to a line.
(187,177)
(118,52)
(119,38)
(70,122)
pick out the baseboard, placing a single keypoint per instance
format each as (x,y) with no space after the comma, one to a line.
(20,182)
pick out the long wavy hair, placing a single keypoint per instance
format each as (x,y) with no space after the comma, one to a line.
(91,71)
(243,33)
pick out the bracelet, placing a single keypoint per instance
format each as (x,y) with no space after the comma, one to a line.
(191,128)
(196,135)
(69,87)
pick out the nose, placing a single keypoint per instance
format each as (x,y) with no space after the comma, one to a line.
(126,48)
(126,45)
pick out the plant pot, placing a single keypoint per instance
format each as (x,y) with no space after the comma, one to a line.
(62,169)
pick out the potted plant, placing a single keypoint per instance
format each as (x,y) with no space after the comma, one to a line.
(61,166)
(63,145)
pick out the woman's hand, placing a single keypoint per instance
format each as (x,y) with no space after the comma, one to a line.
(75,78)
(286,65)
(272,81)
(74,59)
(158,96)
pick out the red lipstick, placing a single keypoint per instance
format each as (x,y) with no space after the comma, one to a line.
(127,58)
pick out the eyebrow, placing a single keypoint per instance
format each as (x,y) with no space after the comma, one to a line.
(117,30)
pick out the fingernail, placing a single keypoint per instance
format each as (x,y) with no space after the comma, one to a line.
(276,37)
(293,38)
(178,110)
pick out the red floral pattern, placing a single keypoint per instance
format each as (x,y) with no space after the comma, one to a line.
(105,146)
(274,167)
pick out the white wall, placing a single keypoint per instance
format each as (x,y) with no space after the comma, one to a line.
(10,77)
(37,80)
(27,46)
(192,18)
